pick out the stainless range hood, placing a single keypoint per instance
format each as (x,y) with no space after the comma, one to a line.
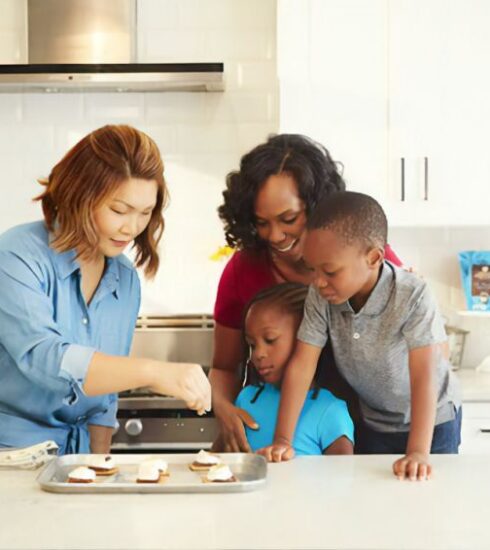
(90,45)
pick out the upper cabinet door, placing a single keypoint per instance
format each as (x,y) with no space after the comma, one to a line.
(439,117)
(332,59)
(414,50)
(398,91)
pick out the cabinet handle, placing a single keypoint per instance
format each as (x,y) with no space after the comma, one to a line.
(426,178)
(485,430)
(403,180)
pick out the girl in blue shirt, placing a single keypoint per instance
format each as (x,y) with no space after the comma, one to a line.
(272,319)
(69,298)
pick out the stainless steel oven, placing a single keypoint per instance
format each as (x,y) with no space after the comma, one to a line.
(149,422)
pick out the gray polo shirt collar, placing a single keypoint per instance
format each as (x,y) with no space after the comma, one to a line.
(379,297)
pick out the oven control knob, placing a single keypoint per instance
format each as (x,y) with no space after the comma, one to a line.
(133,426)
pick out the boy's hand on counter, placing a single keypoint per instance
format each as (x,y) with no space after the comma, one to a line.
(277,452)
(413,466)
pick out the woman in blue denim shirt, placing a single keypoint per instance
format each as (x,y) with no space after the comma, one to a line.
(69,298)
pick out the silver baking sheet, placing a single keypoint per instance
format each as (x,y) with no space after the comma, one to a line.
(249,469)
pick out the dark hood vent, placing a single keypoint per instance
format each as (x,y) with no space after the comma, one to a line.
(90,45)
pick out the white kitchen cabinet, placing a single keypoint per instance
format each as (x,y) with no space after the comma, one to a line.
(439,118)
(398,91)
(332,67)
(475,428)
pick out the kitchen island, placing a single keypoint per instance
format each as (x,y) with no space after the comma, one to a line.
(310,502)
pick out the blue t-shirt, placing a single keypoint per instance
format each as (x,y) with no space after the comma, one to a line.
(321,422)
(48,335)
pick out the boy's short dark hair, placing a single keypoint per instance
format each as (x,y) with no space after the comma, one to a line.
(354,217)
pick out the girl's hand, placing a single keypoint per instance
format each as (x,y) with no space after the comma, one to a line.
(185,381)
(232,422)
(413,466)
(277,452)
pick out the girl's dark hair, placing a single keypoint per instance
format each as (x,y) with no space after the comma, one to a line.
(307,161)
(290,297)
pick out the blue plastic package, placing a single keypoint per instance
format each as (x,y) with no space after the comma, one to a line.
(475,276)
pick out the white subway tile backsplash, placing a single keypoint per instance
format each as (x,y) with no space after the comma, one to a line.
(469,238)
(238,44)
(46,108)
(213,164)
(418,236)
(12,48)
(10,108)
(223,14)
(205,138)
(185,46)
(252,107)
(18,187)
(251,75)
(66,136)
(26,139)
(250,135)
(158,14)
(11,180)
(457,300)
(39,166)
(114,108)
(180,107)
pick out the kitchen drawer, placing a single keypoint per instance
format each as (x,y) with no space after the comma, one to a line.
(475,428)
(476,410)
(473,439)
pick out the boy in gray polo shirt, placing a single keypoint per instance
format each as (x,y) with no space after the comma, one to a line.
(387,336)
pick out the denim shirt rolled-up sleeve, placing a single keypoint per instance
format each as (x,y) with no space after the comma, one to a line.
(30,333)
(108,417)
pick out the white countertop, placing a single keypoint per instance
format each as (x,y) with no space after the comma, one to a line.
(475,386)
(310,502)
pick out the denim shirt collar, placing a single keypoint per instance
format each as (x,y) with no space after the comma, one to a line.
(66,264)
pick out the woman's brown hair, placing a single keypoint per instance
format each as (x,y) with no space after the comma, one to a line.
(87,175)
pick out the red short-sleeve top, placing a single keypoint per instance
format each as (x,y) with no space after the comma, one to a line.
(245,274)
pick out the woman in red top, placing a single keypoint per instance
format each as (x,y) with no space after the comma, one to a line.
(266,204)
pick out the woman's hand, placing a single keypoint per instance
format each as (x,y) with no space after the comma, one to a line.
(185,381)
(100,439)
(413,466)
(279,451)
(232,421)
(113,374)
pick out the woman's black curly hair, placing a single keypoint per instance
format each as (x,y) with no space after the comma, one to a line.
(307,161)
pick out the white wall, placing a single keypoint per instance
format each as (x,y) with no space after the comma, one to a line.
(433,252)
(201,135)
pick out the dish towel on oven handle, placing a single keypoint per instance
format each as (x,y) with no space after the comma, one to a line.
(28,458)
